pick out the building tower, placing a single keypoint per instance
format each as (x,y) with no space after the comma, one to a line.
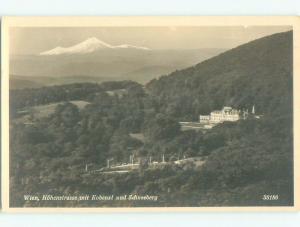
(253,109)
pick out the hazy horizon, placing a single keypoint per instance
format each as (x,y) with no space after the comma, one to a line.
(32,41)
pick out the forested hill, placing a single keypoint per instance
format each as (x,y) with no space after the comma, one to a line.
(257,73)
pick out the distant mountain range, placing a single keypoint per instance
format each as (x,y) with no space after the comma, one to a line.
(95,61)
(88,46)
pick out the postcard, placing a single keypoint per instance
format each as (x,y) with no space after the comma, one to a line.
(150,113)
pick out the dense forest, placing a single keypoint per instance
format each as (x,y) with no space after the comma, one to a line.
(244,160)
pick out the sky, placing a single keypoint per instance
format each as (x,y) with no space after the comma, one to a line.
(35,40)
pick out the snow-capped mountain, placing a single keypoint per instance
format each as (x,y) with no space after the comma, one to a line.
(88,46)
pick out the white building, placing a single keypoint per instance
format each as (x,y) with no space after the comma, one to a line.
(217,117)
(226,114)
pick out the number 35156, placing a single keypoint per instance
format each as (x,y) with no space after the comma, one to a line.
(270,197)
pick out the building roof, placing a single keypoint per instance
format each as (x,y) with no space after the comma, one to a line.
(227,108)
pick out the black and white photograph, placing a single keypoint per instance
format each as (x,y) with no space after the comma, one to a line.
(150,116)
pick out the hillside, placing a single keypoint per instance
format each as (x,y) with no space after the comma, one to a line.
(20,82)
(257,73)
(16,82)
